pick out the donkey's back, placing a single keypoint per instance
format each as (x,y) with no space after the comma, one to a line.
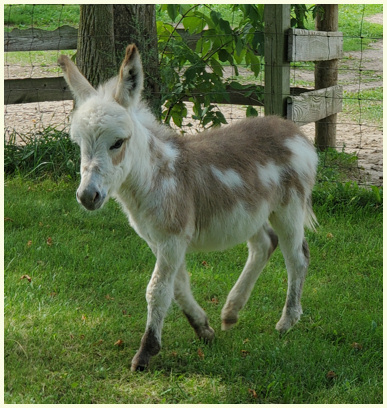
(225,183)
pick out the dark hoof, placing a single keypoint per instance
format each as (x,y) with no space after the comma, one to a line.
(228,323)
(138,368)
(138,365)
(140,362)
(207,335)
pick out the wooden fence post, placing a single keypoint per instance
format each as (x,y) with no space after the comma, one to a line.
(325,75)
(277,67)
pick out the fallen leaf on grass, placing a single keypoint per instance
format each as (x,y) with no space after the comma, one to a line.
(215,300)
(26,277)
(245,353)
(331,375)
(83,318)
(125,313)
(253,393)
(8,219)
(119,343)
(356,346)
(200,354)
(49,241)
(108,297)
(29,243)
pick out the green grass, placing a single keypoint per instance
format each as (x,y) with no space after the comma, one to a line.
(47,17)
(357,31)
(46,60)
(88,275)
(365,106)
(49,152)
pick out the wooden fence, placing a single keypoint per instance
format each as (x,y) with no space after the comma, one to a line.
(282,46)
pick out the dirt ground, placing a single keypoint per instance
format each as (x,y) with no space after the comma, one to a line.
(366,139)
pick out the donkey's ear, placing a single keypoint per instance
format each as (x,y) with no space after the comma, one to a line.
(79,85)
(131,78)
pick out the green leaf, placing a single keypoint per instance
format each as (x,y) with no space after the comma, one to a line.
(239,46)
(236,85)
(193,24)
(179,112)
(203,45)
(215,16)
(255,64)
(164,31)
(225,26)
(172,10)
(217,68)
(224,55)
(250,111)
(184,8)
(191,73)
(258,42)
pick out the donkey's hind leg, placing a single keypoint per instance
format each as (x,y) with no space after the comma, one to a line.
(289,225)
(194,313)
(261,246)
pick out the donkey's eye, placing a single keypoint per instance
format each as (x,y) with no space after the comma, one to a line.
(117,144)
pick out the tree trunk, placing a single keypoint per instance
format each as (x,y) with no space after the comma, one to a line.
(136,23)
(105,31)
(325,75)
(95,48)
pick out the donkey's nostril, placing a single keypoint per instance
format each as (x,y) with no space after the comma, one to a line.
(96,197)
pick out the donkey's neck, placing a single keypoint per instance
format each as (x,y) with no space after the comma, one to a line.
(152,157)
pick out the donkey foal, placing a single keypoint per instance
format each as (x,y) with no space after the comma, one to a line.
(194,193)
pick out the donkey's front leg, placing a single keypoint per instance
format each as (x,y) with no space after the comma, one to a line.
(159,294)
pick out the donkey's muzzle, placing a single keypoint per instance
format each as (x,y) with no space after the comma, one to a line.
(90,198)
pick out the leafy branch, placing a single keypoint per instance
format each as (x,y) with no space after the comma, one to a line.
(196,73)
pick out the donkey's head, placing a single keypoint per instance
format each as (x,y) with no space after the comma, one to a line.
(103,127)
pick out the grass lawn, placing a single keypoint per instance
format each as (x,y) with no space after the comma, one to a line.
(75,320)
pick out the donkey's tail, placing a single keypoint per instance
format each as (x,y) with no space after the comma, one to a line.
(310,220)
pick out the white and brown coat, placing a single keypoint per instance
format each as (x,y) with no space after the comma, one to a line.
(194,193)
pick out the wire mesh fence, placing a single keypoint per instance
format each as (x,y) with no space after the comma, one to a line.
(360,72)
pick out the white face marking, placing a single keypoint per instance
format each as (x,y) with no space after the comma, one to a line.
(229,177)
(269,174)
